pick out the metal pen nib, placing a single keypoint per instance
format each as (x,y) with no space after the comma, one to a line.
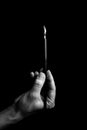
(45,48)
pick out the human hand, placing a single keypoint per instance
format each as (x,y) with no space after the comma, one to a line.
(33,100)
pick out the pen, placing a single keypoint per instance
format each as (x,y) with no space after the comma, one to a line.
(45,49)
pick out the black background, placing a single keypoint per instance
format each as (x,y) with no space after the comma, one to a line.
(22,51)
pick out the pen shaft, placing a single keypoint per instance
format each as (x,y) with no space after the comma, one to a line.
(45,49)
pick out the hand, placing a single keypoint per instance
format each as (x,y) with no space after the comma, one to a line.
(33,100)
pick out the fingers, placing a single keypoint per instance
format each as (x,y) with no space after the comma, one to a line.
(50,80)
(32,74)
(52,90)
(39,82)
(36,73)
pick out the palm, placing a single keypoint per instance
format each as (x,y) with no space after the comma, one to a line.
(34,101)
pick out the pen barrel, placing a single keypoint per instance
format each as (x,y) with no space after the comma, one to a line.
(45,53)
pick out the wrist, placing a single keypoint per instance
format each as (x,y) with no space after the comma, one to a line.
(9,116)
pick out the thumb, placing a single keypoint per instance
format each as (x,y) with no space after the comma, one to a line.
(39,82)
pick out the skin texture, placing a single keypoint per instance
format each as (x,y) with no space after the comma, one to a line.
(32,100)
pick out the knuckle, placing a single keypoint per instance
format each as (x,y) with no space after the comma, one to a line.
(40,79)
(38,82)
(42,75)
(50,103)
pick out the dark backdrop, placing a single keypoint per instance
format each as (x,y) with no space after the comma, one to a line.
(22,51)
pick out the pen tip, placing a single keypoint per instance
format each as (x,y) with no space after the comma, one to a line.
(44,29)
